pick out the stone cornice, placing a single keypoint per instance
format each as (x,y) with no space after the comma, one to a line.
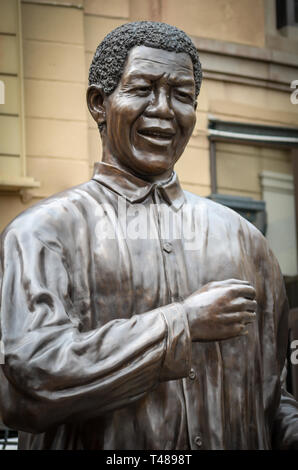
(261,54)
(237,63)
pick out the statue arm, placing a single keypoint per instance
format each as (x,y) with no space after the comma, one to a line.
(285,429)
(53,373)
(285,423)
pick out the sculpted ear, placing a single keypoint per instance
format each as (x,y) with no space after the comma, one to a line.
(95,102)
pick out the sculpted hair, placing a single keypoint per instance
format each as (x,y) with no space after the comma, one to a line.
(110,56)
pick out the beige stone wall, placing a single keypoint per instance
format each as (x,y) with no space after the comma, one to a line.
(54,94)
(227,20)
(62,141)
(239,167)
(10,117)
(56,115)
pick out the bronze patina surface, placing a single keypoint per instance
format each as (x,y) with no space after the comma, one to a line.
(136,315)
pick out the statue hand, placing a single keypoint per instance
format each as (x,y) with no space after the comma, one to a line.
(220,310)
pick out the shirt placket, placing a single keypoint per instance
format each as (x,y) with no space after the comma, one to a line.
(189,384)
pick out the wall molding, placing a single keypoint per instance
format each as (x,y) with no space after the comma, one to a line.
(277,182)
(52,3)
(261,54)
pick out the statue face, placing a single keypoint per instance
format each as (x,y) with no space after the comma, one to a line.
(150,116)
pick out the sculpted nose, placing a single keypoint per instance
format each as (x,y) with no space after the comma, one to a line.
(160,106)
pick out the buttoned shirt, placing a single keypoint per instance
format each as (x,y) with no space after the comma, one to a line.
(98,352)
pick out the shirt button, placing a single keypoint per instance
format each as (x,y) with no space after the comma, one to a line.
(168,247)
(198,441)
(192,375)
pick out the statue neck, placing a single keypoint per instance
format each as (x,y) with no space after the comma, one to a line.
(111,159)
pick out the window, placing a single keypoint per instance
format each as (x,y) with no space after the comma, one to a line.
(251,169)
(286,13)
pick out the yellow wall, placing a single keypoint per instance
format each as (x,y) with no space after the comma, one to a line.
(239,167)
(56,115)
(10,118)
(228,20)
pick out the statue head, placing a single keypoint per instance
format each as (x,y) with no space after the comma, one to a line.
(143,83)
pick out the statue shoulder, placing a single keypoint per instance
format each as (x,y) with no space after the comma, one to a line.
(48,216)
(222,218)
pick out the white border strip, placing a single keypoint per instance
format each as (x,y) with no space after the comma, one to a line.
(264,138)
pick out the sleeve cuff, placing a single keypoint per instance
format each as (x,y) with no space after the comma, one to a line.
(177,360)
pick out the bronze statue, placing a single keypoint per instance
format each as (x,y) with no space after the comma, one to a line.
(136,315)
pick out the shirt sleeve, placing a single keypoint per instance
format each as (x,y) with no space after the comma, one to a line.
(285,431)
(285,422)
(53,373)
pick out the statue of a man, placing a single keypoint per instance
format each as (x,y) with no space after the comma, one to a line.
(175,339)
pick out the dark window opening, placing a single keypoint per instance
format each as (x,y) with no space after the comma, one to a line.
(296,11)
(281,13)
(286,13)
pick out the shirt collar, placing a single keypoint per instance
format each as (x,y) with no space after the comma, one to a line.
(135,189)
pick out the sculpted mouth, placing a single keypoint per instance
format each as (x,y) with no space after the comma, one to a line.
(157,135)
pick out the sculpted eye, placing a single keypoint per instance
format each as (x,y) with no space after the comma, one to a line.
(183,96)
(143,90)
